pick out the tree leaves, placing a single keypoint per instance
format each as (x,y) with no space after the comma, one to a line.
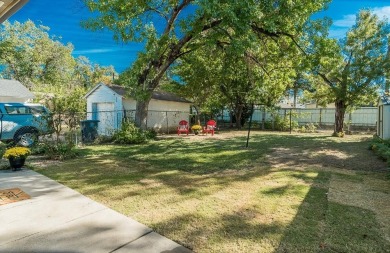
(353,68)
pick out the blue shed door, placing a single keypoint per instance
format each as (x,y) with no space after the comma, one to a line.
(94,111)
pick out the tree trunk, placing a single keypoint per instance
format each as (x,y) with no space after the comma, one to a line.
(141,114)
(231,119)
(238,112)
(339,118)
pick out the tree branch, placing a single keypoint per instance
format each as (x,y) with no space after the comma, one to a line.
(273,35)
(162,63)
(174,14)
(154,9)
(253,58)
(325,78)
(347,64)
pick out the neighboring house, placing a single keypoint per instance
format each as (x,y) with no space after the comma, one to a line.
(9,7)
(287,102)
(110,104)
(314,105)
(12,91)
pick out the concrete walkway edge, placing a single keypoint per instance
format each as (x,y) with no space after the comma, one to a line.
(59,219)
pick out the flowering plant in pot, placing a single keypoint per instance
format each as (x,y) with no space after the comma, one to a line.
(17,156)
(196,128)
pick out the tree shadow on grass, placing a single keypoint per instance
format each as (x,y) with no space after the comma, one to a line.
(324,226)
(223,233)
(187,167)
(151,182)
(213,156)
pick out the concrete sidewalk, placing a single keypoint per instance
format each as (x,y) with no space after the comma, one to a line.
(59,219)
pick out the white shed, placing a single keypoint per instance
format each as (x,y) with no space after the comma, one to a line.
(110,104)
(383,119)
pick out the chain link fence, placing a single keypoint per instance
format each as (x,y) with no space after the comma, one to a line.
(264,118)
(69,125)
(160,121)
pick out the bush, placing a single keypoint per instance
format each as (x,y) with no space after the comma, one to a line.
(55,150)
(130,134)
(308,128)
(281,123)
(381,148)
(3,147)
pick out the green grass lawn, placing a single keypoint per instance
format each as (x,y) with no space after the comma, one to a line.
(285,193)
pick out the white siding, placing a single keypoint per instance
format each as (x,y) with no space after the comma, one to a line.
(386,122)
(158,105)
(162,115)
(129,104)
(162,105)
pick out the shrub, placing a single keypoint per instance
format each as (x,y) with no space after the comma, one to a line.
(130,134)
(308,128)
(56,150)
(381,148)
(281,123)
(151,134)
(3,147)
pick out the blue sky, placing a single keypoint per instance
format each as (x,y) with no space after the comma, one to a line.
(63,18)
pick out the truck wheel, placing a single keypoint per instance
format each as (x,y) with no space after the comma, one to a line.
(26,137)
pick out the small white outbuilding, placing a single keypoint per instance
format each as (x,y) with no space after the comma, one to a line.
(383,119)
(110,104)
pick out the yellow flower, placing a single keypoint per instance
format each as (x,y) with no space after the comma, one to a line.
(17,152)
(196,127)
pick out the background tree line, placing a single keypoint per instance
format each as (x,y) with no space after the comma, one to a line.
(46,66)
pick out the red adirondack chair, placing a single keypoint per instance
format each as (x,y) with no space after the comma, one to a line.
(183,127)
(210,127)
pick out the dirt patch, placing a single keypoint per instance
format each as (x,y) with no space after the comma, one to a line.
(200,137)
(364,194)
(326,155)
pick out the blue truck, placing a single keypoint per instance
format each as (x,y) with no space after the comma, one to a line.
(23,123)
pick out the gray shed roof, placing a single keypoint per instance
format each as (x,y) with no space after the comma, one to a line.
(14,89)
(158,95)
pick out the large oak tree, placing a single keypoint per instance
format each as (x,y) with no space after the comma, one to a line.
(171,29)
